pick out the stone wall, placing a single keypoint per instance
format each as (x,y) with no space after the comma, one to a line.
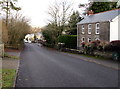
(105,31)
(4,33)
(0,31)
(1,39)
(3,36)
(103,36)
(1,50)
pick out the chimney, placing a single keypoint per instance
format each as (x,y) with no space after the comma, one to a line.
(90,12)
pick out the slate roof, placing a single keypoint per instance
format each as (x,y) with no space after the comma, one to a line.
(100,17)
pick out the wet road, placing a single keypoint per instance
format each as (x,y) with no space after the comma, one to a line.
(43,67)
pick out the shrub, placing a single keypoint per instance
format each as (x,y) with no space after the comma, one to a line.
(110,49)
(69,40)
(83,44)
(91,46)
(50,36)
(17,29)
(107,47)
(99,47)
(48,45)
(115,45)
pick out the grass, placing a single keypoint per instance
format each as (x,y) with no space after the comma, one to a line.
(95,57)
(89,56)
(9,56)
(8,76)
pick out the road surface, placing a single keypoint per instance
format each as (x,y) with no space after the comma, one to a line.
(44,67)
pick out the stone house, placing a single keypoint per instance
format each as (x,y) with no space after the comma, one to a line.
(3,36)
(102,26)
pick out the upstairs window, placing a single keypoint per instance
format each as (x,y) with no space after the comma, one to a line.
(89,28)
(83,29)
(97,28)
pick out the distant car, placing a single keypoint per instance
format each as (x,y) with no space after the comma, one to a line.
(25,41)
(33,41)
(29,41)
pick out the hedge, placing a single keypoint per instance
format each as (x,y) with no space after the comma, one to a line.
(69,40)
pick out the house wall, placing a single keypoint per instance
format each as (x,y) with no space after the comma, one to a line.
(115,29)
(104,32)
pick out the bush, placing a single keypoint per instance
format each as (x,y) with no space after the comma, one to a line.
(83,44)
(115,43)
(69,40)
(48,45)
(17,29)
(113,46)
(107,47)
(50,36)
(89,48)
(104,49)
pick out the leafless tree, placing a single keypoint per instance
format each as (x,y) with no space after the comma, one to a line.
(60,13)
(7,6)
(17,29)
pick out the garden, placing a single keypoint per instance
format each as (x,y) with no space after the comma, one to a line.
(104,49)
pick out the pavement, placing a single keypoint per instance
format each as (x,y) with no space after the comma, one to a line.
(44,67)
(9,63)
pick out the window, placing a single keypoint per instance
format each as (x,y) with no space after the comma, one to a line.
(83,29)
(89,28)
(97,39)
(89,39)
(97,28)
(83,39)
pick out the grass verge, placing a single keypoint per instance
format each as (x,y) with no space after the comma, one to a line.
(90,56)
(95,57)
(9,56)
(8,76)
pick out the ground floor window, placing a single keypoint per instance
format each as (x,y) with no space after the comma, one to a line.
(97,39)
(83,39)
(89,39)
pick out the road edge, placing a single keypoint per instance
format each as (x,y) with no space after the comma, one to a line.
(17,69)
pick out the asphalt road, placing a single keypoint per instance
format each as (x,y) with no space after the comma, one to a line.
(44,67)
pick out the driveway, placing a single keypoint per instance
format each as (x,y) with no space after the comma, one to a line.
(45,67)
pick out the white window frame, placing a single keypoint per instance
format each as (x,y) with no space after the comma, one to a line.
(97,31)
(82,39)
(89,39)
(83,29)
(89,28)
(97,38)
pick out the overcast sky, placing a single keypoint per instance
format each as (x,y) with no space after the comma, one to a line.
(36,10)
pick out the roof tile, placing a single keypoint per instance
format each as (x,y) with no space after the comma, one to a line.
(101,17)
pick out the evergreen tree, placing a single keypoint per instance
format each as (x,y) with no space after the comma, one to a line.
(97,7)
(72,23)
